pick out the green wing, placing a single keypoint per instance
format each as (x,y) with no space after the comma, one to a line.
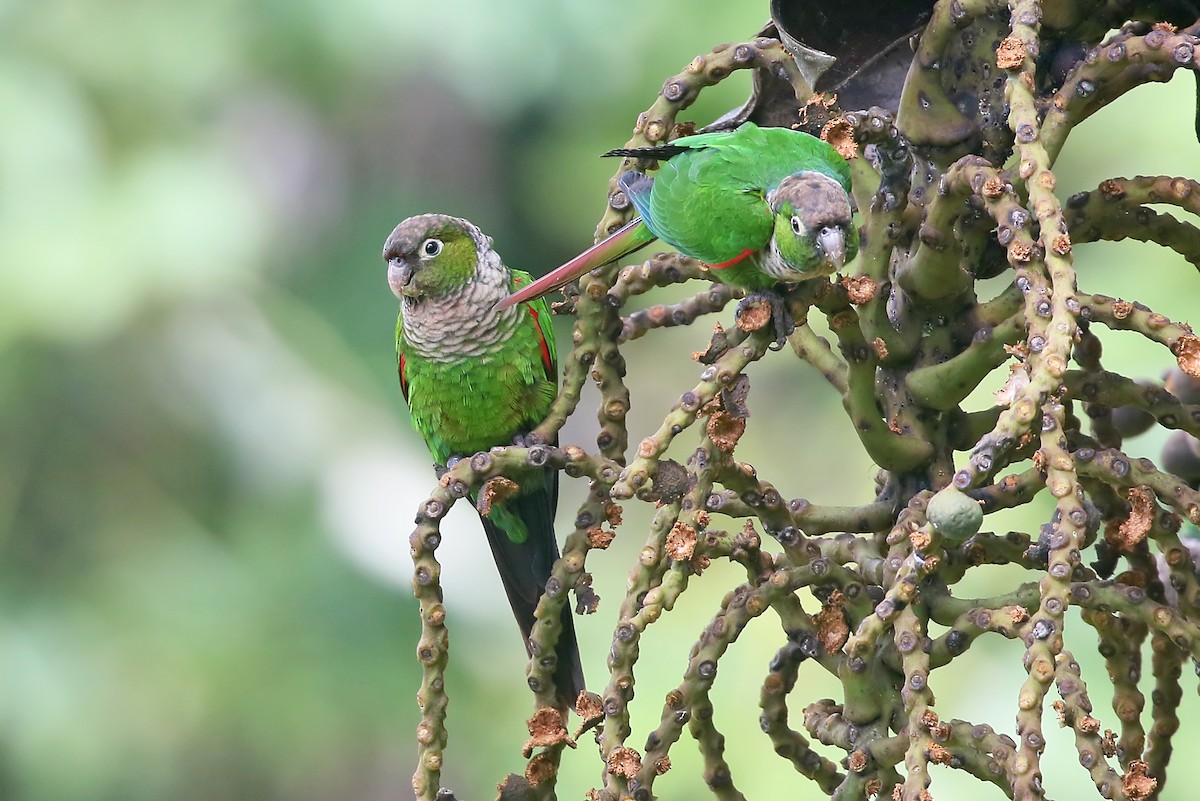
(542,328)
(709,202)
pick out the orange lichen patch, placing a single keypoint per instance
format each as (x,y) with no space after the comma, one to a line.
(1165,27)
(624,761)
(1060,709)
(612,512)
(1122,309)
(1020,251)
(587,706)
(881,348)
(993,186)
(1111,190)
(857,761)
(831,623)
(898,792)
(1020,350)
(662,765)
(820,103)
(893,425)
(754,316)
(1187,353)
(545,729)
(873,786)
(681,542)
(840,135)
(919,539)
(1135,527)
(1010,54)
(860,288)
(929,718)
(600,539)
(1108,743)
(725,430)
(940,731)
(1017,614)
(701,563)
(592,795)
(1088,725)
(702,518)
(685,128)
(1137,784)
(540,768)
(939,754)
(1061,244)
(750,538)
(495,490)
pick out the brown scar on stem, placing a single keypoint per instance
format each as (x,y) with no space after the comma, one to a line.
(860,289)
(681,542)
(725,430)
(1187,354)
(546,729)
(1138,786)
(600,539)
(840,135)
(1010,54)
(624,761)
(495,490)
(1137,525)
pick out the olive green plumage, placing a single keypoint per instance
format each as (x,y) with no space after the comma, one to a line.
(476,377)
(761,206)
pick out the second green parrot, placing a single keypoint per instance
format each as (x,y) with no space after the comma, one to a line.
(761,206)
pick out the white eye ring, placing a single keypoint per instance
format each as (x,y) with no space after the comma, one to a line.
(431,248)
(797,226)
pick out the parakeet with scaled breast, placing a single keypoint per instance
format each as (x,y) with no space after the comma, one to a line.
(761,206)
(475,377)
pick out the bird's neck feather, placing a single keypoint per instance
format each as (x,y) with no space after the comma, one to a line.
(463,322)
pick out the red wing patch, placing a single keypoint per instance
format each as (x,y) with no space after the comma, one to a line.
(547,357)
(739,257)
(403,378)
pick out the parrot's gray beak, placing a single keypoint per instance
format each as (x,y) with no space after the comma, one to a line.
(399,276)
(832,242)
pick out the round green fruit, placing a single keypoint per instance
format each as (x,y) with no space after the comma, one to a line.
(954,515)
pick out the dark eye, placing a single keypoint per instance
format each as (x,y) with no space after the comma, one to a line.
(430,248)
(797,226)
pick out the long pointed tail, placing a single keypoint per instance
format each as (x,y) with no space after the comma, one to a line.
(630,237)
(524,568)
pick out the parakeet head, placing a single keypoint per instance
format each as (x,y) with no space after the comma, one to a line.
(432,254)
(814,229)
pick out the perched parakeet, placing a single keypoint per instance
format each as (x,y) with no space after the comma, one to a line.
(476,377)
(760,206)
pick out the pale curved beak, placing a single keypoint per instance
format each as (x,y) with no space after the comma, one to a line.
(831,239)
(399,276)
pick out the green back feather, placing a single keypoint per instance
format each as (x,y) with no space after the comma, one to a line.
(710,202)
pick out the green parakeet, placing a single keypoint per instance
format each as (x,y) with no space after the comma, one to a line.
(476,377)
(760,206)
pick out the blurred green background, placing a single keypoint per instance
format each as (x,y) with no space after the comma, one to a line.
(207,476)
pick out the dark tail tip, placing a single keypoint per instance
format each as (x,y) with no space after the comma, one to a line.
(658,152)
